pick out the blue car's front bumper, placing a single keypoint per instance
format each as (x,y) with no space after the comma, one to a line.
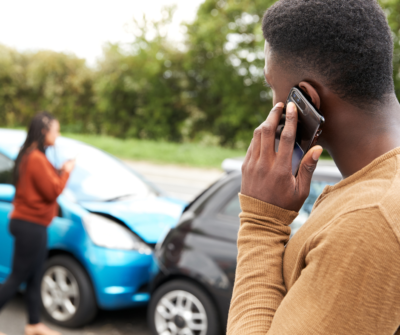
(119,277)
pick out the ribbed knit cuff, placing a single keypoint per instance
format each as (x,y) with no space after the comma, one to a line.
(257,207)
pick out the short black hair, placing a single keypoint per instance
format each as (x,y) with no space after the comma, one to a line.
(348,43)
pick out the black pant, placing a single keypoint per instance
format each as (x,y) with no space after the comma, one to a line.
(30,251)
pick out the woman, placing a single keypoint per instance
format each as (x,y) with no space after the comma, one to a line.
(38,184)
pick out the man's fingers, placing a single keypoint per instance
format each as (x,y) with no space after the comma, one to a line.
(288,137)
(256,143)
(307,168)
(268,130)
(247,158)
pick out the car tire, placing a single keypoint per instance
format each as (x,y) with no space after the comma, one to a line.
(67,294)
(200,303)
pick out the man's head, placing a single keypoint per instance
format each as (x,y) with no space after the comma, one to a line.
(344,46)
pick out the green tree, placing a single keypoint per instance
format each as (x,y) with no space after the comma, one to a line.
(224,65)
(62,84)
(46,80)
(392,10)
(13,87)
(139,87)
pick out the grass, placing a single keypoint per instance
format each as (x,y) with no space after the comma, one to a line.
(188,154)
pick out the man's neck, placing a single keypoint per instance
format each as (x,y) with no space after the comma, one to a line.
(367,138)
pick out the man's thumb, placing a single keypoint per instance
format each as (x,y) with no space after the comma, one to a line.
(308,164)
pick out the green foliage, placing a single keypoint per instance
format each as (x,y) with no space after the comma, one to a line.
(45,80)
(139,91)
(392,10)
(209,91)
(225,69)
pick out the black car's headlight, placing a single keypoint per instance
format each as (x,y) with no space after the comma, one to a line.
(109,234)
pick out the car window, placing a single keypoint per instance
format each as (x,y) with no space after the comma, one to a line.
(6,170)
(232,208)
(214,198)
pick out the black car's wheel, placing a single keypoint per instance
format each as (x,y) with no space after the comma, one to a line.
(67,294)
(180,307)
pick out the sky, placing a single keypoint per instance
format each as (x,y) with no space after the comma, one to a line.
(81,27)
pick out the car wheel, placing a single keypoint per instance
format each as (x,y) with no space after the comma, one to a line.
(67,294)
(180,307)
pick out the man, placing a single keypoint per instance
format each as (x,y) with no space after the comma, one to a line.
(340,274)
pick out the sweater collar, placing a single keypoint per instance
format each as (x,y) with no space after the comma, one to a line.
(355,176)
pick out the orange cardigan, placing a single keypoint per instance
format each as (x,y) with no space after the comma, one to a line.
(37,189)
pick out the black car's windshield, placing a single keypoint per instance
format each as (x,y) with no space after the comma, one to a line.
(97,176)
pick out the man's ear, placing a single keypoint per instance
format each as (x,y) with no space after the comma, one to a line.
(310,90)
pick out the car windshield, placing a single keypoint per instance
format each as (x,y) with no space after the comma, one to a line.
(97,176)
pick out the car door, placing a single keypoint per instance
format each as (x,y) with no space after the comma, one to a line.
(224,225)
(6,196)
(218,227)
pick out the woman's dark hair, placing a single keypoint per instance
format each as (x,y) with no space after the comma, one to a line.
(34,140)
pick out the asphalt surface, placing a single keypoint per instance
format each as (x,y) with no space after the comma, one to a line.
(123,322)
(179,182)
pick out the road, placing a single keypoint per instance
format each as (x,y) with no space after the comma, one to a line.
(179,182)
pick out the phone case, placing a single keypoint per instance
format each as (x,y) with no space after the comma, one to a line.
(309,126)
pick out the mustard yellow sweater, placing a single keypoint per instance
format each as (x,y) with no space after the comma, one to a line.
(340,274)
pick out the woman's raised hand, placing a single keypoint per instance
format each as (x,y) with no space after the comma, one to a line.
(68,166)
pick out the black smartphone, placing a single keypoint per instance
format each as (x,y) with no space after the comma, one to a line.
(309,126)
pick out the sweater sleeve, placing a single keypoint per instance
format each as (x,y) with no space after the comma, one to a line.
(45,178)
(349,284)
(259,286)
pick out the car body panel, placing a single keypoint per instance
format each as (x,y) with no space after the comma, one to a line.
(148,218)
(206,260)
(6,240)
(203,245)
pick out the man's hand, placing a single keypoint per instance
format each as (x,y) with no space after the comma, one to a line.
(267,175)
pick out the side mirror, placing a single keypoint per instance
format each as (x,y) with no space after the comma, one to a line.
(7,192)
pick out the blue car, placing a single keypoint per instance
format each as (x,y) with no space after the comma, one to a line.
(101,243)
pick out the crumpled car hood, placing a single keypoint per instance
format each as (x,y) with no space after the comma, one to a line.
(149,218)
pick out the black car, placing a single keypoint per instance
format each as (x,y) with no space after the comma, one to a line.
(192,289)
